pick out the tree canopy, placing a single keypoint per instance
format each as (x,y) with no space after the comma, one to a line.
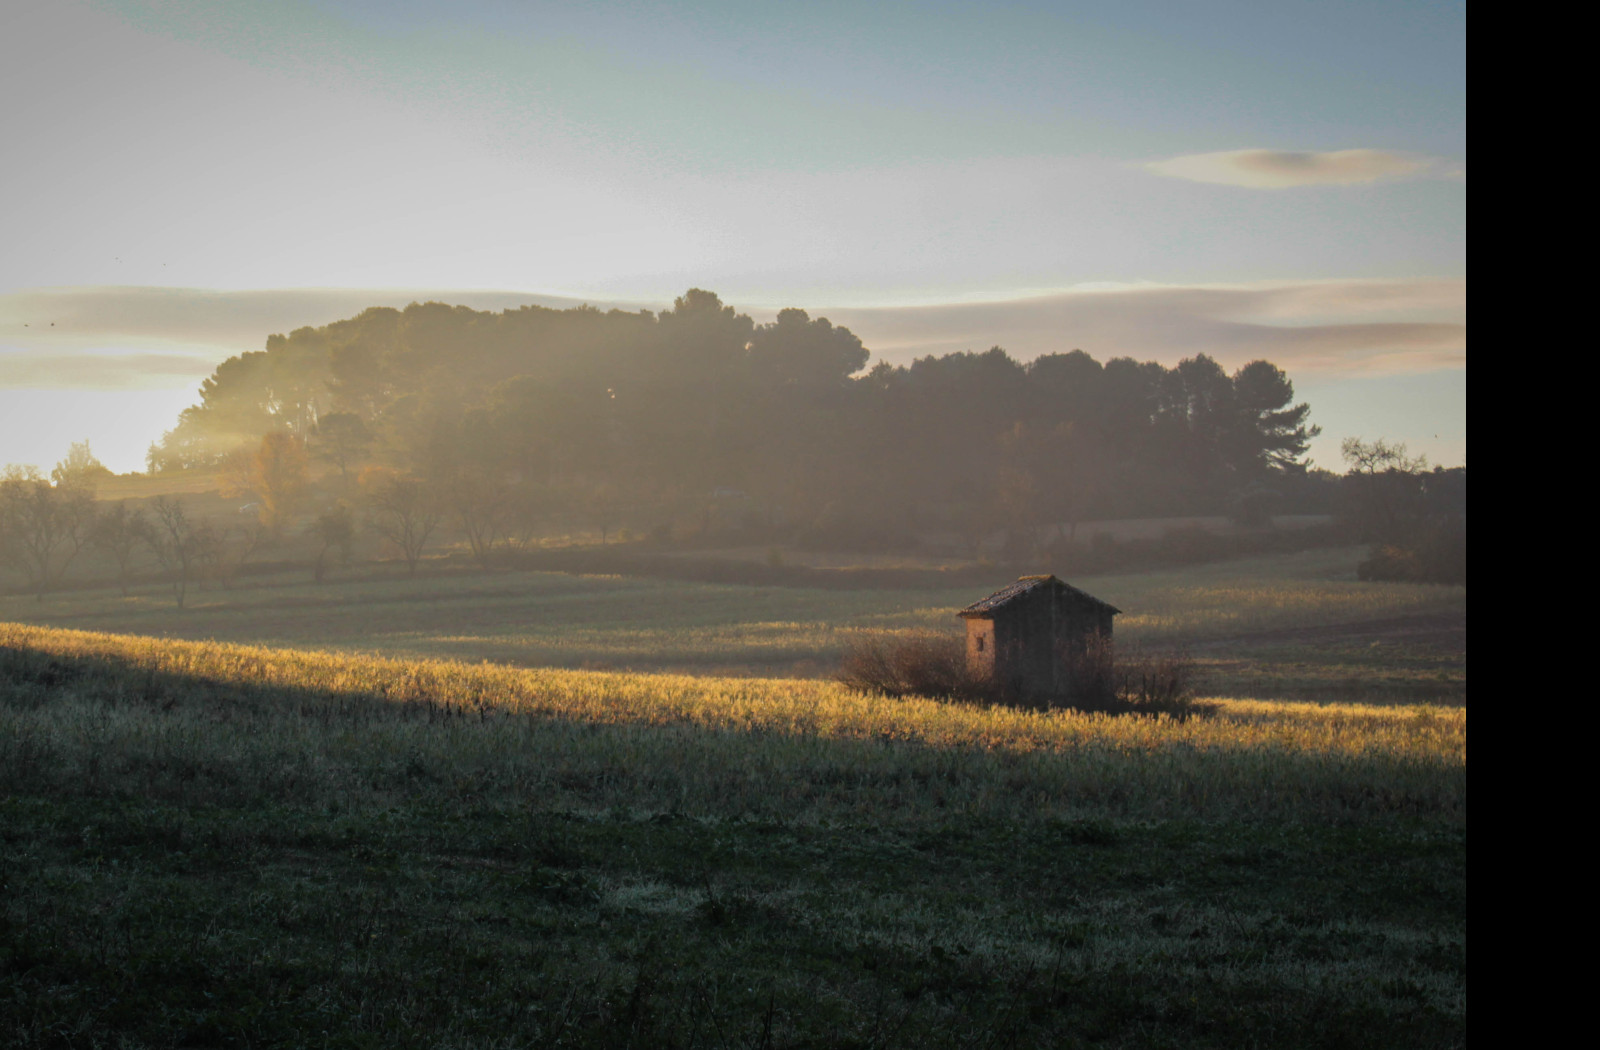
(700,399)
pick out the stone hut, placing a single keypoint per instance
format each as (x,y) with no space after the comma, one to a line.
(1020,634)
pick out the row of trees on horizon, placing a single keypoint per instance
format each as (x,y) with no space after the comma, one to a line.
(647,409)
(494,428)
(1413,516)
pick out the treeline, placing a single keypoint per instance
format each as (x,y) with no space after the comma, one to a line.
(1413,516)
(494,418)
(48,523)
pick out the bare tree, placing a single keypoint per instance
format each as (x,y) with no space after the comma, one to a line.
(120,532)
(529,504)
(484,506)
(402,509)
(336,530)
(224,551)
(604,504)
(178,543)
(42,526)
(1387,479)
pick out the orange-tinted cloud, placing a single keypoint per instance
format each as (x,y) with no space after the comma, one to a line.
(1281,169)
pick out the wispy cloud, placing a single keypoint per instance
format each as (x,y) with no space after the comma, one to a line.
(1333,327)
(1272,169)
(101,371)
(126,338)
(86,316)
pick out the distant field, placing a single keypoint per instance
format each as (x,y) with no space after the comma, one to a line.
(1285,626)
(1121,529)
(200,491)
(209,845)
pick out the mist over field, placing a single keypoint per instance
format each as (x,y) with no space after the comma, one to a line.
(667,523)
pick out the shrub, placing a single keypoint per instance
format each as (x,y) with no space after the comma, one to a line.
(935,665)
(922,664)
(1428,552)
(1100,679)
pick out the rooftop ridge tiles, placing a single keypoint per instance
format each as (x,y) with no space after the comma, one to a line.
(1023,585)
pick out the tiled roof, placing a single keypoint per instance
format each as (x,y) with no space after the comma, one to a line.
(1011,592)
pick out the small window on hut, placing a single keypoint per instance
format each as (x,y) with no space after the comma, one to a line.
(980,643)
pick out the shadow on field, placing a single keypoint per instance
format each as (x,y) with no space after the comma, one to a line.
(196,852)
(164,717)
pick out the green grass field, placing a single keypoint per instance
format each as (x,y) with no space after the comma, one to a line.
(1294,626)
(533,809)
(210,845)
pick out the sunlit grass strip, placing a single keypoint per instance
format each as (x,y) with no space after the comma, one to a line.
(294,721)
(800,707)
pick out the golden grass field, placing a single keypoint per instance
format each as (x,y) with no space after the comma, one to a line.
(1252,757)
(214,843)
(391,812)
(1265,627)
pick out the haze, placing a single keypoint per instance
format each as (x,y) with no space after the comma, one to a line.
(1247,181)
(678,524)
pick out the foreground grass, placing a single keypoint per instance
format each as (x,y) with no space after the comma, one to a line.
(547,619)
(204,844)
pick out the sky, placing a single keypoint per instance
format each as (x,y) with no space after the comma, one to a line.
(1283,180)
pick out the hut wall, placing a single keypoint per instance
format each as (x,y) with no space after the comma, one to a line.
(980,647)
(1025,640)
(1024,643)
